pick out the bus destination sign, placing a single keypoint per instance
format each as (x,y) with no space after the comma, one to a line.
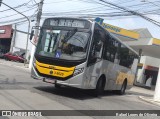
(67,23)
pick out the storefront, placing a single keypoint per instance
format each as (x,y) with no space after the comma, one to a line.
(5,38)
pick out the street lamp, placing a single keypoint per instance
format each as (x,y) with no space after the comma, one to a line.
(28,25)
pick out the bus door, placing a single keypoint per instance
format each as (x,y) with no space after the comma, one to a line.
(95,57)
(111,59)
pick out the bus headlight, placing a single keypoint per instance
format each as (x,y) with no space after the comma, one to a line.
(78,71)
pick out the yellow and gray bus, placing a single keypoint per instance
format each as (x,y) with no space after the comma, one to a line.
(80,53)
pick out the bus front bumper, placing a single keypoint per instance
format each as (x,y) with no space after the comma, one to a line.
(68,82)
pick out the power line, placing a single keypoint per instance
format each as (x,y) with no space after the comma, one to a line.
(84,10)
(35,1)
(133,5)
(132,12)
(24,4)
(94,9)
(59,1)
(17,14)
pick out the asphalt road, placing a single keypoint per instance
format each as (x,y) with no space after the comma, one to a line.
(18,91)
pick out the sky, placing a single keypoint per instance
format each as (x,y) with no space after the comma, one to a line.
(87,8)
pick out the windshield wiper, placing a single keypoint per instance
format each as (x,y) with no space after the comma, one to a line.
(72,33)
(66,39)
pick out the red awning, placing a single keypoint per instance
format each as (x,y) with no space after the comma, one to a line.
(151,68)
(5,31)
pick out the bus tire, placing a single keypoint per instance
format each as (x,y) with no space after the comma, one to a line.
(99,87)
(123,88)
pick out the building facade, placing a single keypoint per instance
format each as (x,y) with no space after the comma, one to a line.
(6,33)
(12,40)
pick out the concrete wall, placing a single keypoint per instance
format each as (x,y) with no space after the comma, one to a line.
(146,60)
(151,61)
(20,42)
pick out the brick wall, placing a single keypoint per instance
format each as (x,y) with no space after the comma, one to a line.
(5,31)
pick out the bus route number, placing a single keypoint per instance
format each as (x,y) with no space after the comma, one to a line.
(58,73)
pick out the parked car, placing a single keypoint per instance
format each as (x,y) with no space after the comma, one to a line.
(16,56)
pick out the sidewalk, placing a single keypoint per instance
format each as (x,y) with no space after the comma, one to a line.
(144,94)
(149,100)
(15,64)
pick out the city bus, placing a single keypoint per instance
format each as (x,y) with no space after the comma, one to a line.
(80,53)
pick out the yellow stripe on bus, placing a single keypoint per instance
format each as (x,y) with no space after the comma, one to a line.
(52,70)
(55,67)
(122,76)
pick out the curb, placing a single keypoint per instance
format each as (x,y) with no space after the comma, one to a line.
(21,67)
(149,100)
(25,68)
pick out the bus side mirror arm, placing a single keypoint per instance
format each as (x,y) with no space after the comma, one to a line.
(32,34)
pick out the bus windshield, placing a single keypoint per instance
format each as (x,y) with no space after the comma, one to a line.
(63,44)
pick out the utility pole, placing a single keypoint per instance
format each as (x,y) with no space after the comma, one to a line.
(39,14)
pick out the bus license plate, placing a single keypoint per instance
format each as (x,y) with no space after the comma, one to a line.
(50,80)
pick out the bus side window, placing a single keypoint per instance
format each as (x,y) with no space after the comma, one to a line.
(131,58)
(97,45)
(124,56)
(110,49)
(117,55)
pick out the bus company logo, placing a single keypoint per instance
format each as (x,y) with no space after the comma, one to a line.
(51,67)
(6,113)
(51,72)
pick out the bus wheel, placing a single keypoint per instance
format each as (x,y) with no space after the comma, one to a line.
(123,88)
(99,87)
(57,85)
